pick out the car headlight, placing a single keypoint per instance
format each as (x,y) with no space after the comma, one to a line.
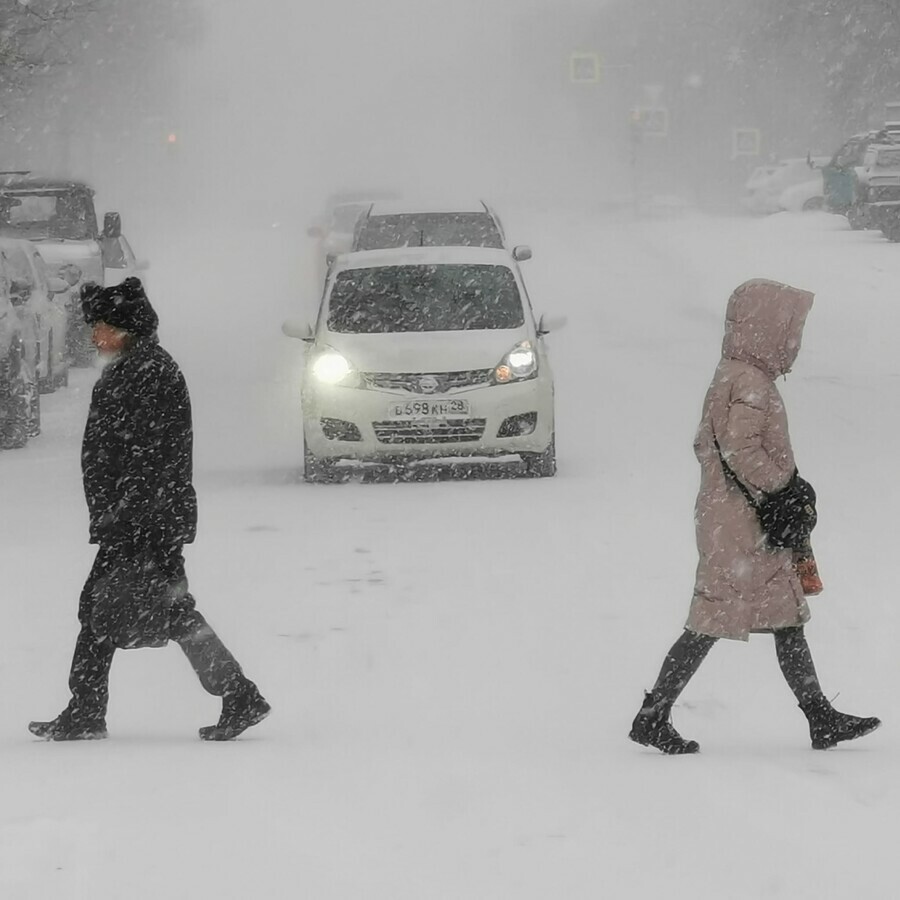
(519,364)
(333,368)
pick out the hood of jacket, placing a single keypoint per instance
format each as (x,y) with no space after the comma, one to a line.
(764,324)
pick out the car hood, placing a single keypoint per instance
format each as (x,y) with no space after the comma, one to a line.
(431,351)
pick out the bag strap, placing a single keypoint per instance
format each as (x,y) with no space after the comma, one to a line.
(729,472)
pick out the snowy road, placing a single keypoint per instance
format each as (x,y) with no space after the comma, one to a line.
(454,666)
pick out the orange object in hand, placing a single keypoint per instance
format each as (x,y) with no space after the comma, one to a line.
(809,575)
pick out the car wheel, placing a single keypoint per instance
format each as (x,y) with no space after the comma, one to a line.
(317,470)
(814,204)
(541,465)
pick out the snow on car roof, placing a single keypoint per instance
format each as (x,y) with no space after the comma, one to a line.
(39,185)
(411,208)
(421,256)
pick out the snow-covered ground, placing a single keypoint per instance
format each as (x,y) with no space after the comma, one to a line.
(454,666)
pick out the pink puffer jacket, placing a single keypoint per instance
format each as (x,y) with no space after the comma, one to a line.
(742,584)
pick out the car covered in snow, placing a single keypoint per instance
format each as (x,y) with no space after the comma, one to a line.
(808,196)
(59,216)
(48,298)
(20,409)
(423,353)
(438,224)
(843,175)
(879,189)
(790,184)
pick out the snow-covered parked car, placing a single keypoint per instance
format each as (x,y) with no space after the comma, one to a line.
(20,408)
(878,190)
(423,353)
(808,196)
(794,184)
(48,300)
(60,217)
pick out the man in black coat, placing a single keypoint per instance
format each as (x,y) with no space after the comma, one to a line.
(137,466)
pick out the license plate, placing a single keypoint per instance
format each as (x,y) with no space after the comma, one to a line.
(429,409)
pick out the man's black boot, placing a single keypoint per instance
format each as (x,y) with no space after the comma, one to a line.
(241,708)
(653,728)
(70,725)
(828,727)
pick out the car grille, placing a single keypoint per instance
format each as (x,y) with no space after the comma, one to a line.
(415,431)
(426,382)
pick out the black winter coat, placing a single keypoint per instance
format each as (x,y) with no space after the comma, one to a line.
(136,458)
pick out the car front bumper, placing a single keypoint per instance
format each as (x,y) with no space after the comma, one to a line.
(358,424)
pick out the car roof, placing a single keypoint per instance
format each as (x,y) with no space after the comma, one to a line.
(422,256)
(18,185)
(413,208)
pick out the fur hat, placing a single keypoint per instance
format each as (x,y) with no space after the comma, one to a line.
(123,306)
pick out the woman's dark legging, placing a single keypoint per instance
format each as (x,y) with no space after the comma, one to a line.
(791,648)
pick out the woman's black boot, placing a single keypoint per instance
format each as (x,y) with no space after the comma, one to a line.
(652,727)
(828,727)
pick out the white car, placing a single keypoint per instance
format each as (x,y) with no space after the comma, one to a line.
(435,224)
(808,196)
(48,298)
(423,353)
(770,188)
(20,407)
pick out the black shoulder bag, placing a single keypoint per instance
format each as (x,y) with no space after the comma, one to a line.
(132,604)
(787,516)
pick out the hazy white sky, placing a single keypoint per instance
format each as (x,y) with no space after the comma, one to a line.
(424,95)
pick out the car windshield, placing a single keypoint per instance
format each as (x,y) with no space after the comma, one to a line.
(391,299)
(472,229)
(56,215)
(888,159)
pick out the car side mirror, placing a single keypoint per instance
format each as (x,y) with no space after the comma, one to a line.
(521,253)
(550,323)
(299,329)
(19,292)
(57,285)
(112,225)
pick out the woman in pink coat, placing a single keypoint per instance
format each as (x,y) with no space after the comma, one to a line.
(743,584)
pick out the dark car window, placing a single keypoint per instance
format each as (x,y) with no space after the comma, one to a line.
(61,215)
(429,230)
(391,299)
